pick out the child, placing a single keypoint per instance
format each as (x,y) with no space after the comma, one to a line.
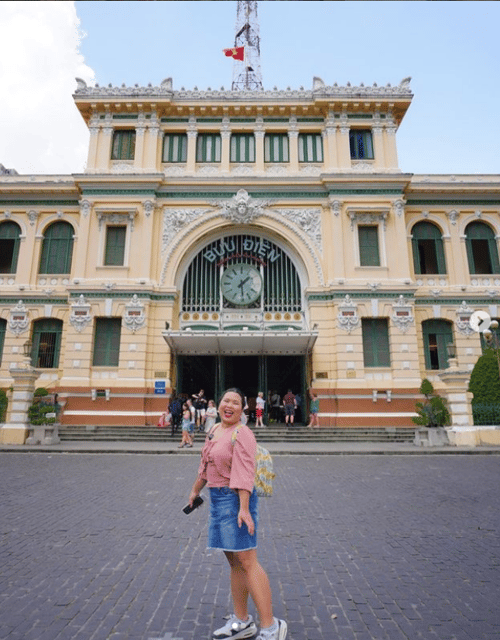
(259,411)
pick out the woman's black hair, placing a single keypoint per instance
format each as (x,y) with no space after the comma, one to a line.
(235,390)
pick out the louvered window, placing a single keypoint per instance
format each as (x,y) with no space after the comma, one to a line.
(376,351)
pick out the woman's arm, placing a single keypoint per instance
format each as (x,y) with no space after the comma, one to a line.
(197,487)
(244,515)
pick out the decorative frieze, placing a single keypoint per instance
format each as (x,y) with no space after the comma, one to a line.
(462,321)
(134,318)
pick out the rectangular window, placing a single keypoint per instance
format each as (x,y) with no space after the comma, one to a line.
(375,342)
(361,145)
(175,147)
(114,255)
(243,147)
(276,148)
(310,147)
(123,145)
(208,147)
(107,342)
(368,246)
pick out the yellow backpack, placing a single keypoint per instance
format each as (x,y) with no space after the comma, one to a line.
(264,475)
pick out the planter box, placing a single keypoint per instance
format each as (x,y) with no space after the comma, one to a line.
(431,437)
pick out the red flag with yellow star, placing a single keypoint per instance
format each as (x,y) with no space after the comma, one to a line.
(238,53)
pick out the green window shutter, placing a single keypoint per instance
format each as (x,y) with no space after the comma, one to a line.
(115,246)
(368,246)
(376,352)
(361,144)
(242,147)
(208,147)
(46,343)
(310,147)
(107,342)
(482,250)
(175,148)
(3,329)
(9,246)
(57,249)
(437,335)
(123,147)
(276,148)
(428,249)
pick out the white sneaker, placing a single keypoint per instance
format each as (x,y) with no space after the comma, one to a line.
(235,629)
(277,634)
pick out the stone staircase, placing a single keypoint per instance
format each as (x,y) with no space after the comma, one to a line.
(272,433)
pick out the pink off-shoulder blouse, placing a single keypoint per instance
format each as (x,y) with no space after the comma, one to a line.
(224,464)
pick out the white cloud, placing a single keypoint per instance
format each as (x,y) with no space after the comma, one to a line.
(41,130)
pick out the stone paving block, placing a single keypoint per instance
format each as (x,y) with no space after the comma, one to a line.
(397,547)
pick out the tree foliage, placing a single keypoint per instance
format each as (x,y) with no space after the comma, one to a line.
(433,412)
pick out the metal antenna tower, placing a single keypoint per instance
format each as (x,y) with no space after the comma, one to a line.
(246,74)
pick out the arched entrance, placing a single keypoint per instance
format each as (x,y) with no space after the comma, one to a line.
(242,320)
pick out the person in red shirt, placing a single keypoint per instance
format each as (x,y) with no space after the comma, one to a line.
(228,468)
(289,405)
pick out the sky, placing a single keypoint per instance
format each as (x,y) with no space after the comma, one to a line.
(450,49)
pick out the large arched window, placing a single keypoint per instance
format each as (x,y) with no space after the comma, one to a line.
(437,335)
(428,252)
(482,251)
(57,248)
(46,343)
(279,285)
(9,246)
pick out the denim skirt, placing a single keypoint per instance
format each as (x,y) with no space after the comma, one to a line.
(223,530)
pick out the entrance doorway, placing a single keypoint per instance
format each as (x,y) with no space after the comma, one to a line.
(251,374)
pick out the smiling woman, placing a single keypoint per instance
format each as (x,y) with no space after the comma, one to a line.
(228,468)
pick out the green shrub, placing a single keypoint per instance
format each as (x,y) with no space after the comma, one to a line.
(433,411)
(37,413)
(485,385)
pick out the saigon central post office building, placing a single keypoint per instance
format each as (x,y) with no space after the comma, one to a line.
(262,239)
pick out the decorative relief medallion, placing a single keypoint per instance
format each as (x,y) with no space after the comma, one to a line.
(19,319)
(80,316)
(241,208)
(134,318)
(347,317)
(462,322)
(402,315)
(309,220)
(174,221)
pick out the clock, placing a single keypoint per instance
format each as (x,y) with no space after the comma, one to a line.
(241,284)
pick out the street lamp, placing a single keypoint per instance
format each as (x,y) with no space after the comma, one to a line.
(27,346)
(452,355)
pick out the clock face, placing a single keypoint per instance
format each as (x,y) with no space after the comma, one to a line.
(241,284)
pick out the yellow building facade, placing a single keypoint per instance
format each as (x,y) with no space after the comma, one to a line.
(263,239)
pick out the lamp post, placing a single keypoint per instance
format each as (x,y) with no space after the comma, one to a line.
(452,355)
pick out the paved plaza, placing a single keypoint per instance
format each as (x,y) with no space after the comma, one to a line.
(358,547)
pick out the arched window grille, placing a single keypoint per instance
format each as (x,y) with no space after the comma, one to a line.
(281,287)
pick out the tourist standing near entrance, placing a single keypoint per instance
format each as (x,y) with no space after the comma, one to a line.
(313,411)
(260,403)
(187,440)
(275,406)
(289,405)
(200,405)
(228,467)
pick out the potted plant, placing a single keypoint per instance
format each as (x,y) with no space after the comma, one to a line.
(38,411)
(433,416)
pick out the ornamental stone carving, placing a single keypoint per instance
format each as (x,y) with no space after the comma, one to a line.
(134,318)
(347,317)
(241,208)
(174,220)
(309,221)
(402,314)
(19,319)
(462,321)
(80,316)
(367,218)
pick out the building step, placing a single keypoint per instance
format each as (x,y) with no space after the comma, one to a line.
(275,433)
